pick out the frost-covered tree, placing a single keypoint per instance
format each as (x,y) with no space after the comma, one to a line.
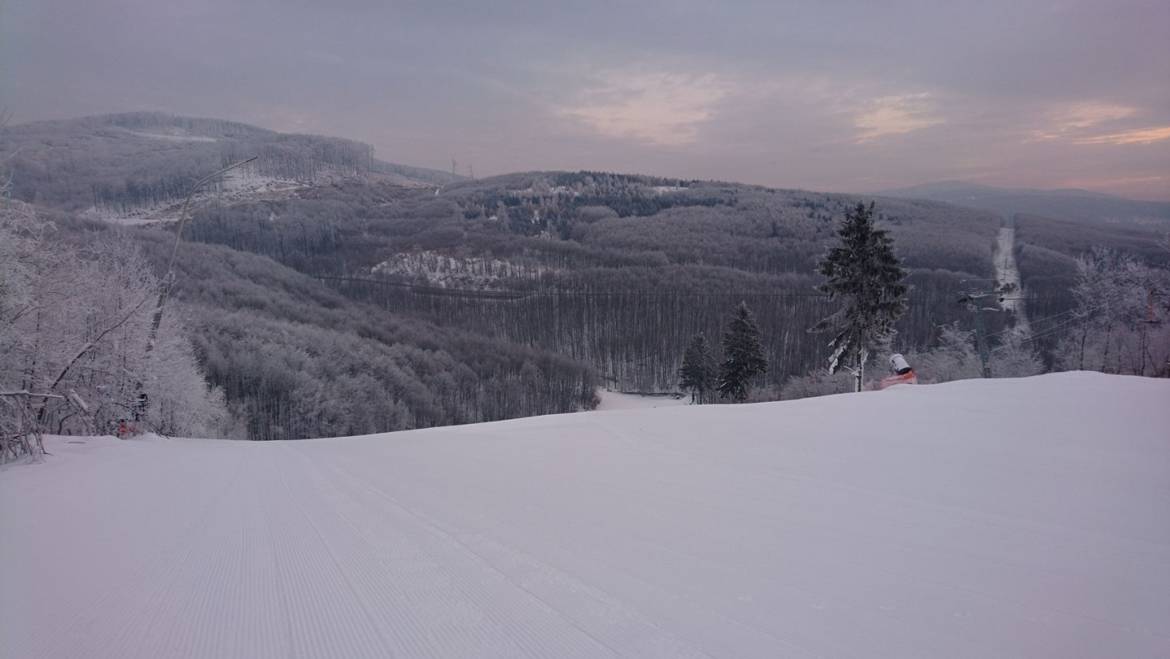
(697,373)
(1122,317)
(179,400)
(743,356)
(73,334)
(867,277)
(953,357)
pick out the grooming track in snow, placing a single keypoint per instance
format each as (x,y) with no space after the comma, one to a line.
(998,518)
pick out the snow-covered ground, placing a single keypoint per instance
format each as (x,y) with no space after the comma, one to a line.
(989,518)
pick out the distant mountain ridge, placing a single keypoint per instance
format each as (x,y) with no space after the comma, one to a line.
(149,159)
(1065,204)
(965,187)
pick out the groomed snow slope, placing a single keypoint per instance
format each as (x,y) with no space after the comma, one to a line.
(1006,518)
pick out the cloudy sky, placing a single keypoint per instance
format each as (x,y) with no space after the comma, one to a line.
(842,96)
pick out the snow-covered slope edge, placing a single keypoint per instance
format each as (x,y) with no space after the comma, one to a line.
(973,519)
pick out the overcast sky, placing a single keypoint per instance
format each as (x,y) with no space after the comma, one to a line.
(841,96)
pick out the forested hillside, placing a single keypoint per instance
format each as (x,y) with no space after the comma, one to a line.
(113,165)
(1054,230)
(330,293)
(1048,249)
(616,271)
(295,359)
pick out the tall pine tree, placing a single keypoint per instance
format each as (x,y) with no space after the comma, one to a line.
(743,356)
(698,369)
(866,276)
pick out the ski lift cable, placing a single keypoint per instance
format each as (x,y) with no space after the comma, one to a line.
(1050,330)
(1047,330)
(1053,317)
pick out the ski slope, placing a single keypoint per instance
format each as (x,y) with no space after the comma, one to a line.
(991,518)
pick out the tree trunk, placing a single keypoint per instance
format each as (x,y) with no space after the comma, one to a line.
(1105,356)
(860,373)
(1084,337)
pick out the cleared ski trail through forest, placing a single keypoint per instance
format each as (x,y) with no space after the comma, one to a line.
(988,518)
(1008,274)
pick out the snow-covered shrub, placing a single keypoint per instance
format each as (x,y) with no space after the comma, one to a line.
(954,358)
(1015,359)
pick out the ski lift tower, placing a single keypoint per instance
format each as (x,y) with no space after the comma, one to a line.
(974,303)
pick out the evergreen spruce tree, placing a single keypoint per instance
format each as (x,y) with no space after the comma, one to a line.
(743,356)
(698,369)
(866,276)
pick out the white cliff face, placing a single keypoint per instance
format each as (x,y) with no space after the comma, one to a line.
(471,272)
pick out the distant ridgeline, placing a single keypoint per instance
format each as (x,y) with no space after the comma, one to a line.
(125,161)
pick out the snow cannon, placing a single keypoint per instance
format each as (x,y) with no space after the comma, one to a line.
(898,364)
(903,373)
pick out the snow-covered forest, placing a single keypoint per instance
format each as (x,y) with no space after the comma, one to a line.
(75,325)
(358,296)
